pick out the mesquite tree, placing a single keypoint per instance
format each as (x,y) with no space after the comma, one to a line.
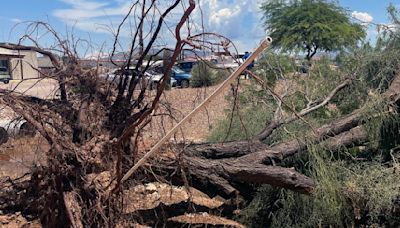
(310,26)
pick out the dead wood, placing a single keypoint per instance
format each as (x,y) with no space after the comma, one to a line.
(204,219)
(278,122)
(225,174)
(226,164)
(89,131)
(73,209)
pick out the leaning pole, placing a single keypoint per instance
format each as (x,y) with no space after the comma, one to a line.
(264,44)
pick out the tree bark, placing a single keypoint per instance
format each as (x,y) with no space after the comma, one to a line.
(224,165)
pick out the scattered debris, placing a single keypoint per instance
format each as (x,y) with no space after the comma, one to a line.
(151,195)
(17,220)
(205,219)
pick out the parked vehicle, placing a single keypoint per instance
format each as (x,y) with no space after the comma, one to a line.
(154,79)
(186,66)
(114,76)
(178,76)
(153,76)
(182,78)
(5,76)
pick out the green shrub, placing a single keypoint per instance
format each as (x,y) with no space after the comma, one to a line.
(203,74)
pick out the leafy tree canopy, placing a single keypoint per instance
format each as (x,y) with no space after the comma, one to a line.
(310,25)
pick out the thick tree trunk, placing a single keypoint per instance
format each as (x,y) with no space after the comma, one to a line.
(225,165)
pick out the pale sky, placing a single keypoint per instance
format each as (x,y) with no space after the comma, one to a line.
(240,20)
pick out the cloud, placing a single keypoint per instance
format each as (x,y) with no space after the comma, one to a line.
(225,15)
(239,20)
(84,4)
(92,16)
(16,20)
(362,16)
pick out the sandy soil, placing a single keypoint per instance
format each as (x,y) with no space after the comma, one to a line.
(177,103)
(17,221)
(42,88)
(18,155)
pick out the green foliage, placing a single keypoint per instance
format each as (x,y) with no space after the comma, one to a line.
(259,212)
(258,105)
(372,189)
(242,125)
(377,65)
(327,207)
(348,194)
(390,133)
(204,75)
(356,187)
(310,25)
(272,67)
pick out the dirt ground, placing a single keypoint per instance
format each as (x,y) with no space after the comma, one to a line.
(16,221)
(19,154)
(42,88)
(177,103)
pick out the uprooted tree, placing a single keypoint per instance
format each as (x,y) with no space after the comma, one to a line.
(95,126)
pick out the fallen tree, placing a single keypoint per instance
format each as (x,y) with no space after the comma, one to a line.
(93,131)
(227,164)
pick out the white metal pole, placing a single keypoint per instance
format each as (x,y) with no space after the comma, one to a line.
(264,44)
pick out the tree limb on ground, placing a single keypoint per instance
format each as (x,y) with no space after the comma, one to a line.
(226,164)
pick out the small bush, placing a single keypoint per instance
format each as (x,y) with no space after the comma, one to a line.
(204,75)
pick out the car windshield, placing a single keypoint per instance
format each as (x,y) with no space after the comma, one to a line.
(177,70)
